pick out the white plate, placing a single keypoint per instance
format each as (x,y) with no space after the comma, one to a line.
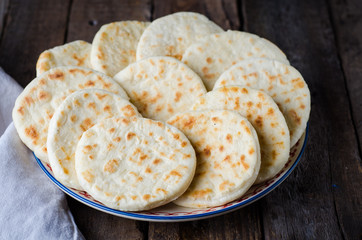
(174,213)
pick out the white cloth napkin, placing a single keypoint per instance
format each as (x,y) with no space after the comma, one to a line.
(31,206)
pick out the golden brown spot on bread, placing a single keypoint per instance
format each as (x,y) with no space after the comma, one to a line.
(161,190)
(128,111)
(258,105)
(183,144)
(176,136)
(130,135)
(261,96)
(207,151)
(209,60)
(274,154)
(21,110)
(227,159)
(31,132)
(101,96)
(225,183)
(188,123)
(146,197)
(156,161)
(87,148)
(201,193)
(111,166)
(42,95)
(229,138)
(242,160)
(92,105)
(287,100)
(150,134)
(110,146)
(244,90)
(259,121)
(111,130)
(295,116)
(117,139)
(88,176)
(29,100)
(85,95)
(221,148)
(134,197)
(178,96)
(86,124)
(249,104)
(118,198)
(270,111)
(251,151)
(76,102)
(107,108)
(56,76)
(73,118)
(302,106)
(148,170)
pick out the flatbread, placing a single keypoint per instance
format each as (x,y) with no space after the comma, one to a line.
(212,55)
(75,53)
(35,106)
(160,86)
(228,156)
(134,164)
(265,116)
(114,46)
(280,81)
(77,113)
(172,34)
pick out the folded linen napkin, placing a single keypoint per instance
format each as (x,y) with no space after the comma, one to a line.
(31,206)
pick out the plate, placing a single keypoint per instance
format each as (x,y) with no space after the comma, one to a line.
(174,213)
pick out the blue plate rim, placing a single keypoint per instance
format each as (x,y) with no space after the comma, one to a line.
(175,218)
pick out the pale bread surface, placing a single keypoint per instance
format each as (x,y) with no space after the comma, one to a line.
(35,106)
(134,164)
(160,86)
(265,116)
(280,81)
(114,46)
(228,156)
(75,53)
(172,34)
(77,113)
(212,55)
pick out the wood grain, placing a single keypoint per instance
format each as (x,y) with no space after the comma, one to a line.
(4,5)
(86,17)
(309,204)
(31,27)
(222,12)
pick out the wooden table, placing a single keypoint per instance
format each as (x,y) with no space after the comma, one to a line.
(322,199)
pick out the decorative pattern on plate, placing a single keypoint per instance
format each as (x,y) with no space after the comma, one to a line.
(174,213)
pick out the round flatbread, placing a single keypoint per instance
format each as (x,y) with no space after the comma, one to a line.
(36,105)
(172,34)
(263,113)
(75,53)
(214,54)
(134,164)
(160,86)
(77,113)
(228,156)
(114,46)
(280,81)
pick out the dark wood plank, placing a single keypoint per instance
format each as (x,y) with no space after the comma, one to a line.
(4,5)
(306,206)
(347,20)
(31,27)
(86,17)
(98,225)
(222,12)
(240,224)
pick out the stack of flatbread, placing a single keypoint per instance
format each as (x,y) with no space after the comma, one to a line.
(174,110)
